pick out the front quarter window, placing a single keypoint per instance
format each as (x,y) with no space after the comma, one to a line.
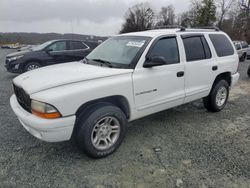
(121,50)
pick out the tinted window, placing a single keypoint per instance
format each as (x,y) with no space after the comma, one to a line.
(167,48)
(58,46)
(196,48)
(74,45)
(237,46)
(222,45)
(206,48)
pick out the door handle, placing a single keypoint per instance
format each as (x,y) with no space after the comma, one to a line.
(180,74)
(214,68)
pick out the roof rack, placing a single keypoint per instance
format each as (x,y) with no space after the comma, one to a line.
(170,27)
(207,27)
(182,28)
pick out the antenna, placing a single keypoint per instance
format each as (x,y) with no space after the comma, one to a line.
(72,31)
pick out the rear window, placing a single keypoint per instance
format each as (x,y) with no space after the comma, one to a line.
(75,45)
(244,45)
(222,45)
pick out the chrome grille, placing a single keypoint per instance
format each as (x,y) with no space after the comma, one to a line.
(23,98)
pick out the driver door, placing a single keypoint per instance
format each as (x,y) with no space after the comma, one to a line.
(160,87)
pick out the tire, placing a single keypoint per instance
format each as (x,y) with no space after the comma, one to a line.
(31,66)
(248,71)
(100,132)
(243,58)
(217,99)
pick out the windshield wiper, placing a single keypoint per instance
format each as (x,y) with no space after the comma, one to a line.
(85,61)
(104,62)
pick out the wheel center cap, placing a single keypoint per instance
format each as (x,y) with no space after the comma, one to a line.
(104,130)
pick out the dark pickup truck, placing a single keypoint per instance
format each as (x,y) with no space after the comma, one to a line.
(48,53)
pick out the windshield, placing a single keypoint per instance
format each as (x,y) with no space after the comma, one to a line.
(41,46)
(119,50)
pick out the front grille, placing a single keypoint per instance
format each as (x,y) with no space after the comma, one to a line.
(23,98)
(7,61)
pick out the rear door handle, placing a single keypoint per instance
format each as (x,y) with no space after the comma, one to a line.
(180,74)
(214,68)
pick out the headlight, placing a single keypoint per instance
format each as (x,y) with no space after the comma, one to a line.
(15,58)
(44,110)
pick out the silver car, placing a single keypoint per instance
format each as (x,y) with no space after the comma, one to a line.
(242,49)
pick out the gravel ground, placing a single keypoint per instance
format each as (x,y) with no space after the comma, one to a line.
(182,147)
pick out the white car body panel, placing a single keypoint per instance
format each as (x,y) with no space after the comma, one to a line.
(147,90)
(54,75)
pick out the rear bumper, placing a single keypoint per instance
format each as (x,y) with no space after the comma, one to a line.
(50,130)
(234,79)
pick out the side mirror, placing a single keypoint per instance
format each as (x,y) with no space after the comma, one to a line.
(48,50)
(154,61)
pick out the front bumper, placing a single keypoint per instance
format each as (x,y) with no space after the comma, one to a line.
(50,130)
(234,79)
(13,67)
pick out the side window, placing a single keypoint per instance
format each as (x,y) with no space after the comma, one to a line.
(196,48)
(167,48)
(206,48)
(237,46)
(222,45)
(75,45)
(58,46)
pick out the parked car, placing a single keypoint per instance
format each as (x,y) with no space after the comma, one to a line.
(125,78)
(242,49)
(248,52)
(48,53)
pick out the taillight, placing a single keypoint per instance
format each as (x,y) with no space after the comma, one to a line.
(238,67)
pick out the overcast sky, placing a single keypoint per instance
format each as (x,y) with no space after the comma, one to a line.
(97,17)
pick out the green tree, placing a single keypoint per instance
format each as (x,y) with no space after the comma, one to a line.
(206,13)
(201,13)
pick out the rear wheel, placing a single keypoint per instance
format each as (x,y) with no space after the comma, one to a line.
(101,131)
(218,97)
(31,66)
(243,58)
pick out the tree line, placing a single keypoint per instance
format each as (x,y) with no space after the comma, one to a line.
(231,16)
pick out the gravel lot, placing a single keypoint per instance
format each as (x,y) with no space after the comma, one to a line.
(182,147)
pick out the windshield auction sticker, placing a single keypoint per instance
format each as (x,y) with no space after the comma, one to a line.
(137,44)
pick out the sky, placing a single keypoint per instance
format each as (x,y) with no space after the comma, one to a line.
(95,17)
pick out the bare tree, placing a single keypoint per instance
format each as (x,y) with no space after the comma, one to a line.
(223,7)
(138,18)
(245,4)
(166,16)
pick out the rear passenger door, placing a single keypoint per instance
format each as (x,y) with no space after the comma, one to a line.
(77,50)
(200,67)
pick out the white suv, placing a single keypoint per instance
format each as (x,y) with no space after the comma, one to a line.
(127,77)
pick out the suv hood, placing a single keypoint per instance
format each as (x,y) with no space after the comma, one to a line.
(57,75)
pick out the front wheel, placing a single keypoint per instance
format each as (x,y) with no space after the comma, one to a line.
(101,131)
(218,97)
(31,66)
